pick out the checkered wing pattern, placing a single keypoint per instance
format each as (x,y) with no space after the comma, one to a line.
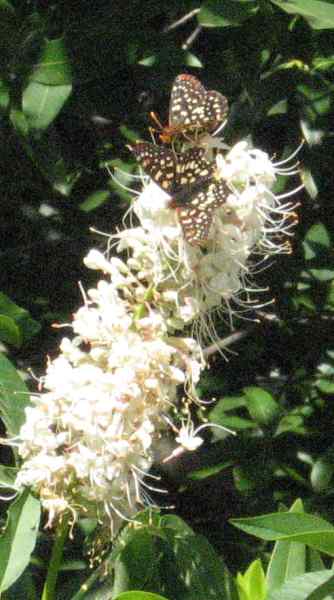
(174,174)
(193,107)
(196,215)
(190,180)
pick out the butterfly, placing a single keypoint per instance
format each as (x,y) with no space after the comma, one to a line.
(192,109)
(191,180)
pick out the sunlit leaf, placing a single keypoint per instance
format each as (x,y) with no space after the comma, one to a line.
(288,559)
(319,15)
(54,67)
(305,528)
(14,397)
(19,538)
(9,331)
(261,405)
(252,584)
(309,586)
(42,103)
(7,477)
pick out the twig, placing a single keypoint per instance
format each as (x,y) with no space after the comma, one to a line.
(189,42)
(228,341)
(239,335)
(182,20)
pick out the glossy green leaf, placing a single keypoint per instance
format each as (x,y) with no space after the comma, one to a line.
(42,103)
(14,397)
(54,67)
(9,331)
(214,13)
(19,538)
(140,596)
(261,405)
(308,529)
(288,559)
(309,586)
(319,15)
(252,584)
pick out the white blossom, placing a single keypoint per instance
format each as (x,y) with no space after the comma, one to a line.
(88,438)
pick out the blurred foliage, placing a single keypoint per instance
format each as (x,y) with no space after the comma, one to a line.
(77,83)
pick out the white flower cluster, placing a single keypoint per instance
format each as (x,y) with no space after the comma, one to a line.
(195,281)
(87,440)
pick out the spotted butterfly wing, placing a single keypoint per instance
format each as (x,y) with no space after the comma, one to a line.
(196,216)
(192,183)
(174,174)
(193,108)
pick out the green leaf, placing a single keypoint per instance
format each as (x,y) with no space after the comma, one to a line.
(252,584)
(309,586)
(19,122)
(7,477)
(288,558)
(54,67)
(42,103)
(18,539)
(215,13)
(26,325)
(309,182)
(206,472)
(316,240)
(294,423)
(308,529)
(200,568)
(326,386)
(174,562)
(14,397)
(261,405)
(140,596)
(319,15)
(135,563)
(9,331)
(24,588)
(95,200)
(322,475)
